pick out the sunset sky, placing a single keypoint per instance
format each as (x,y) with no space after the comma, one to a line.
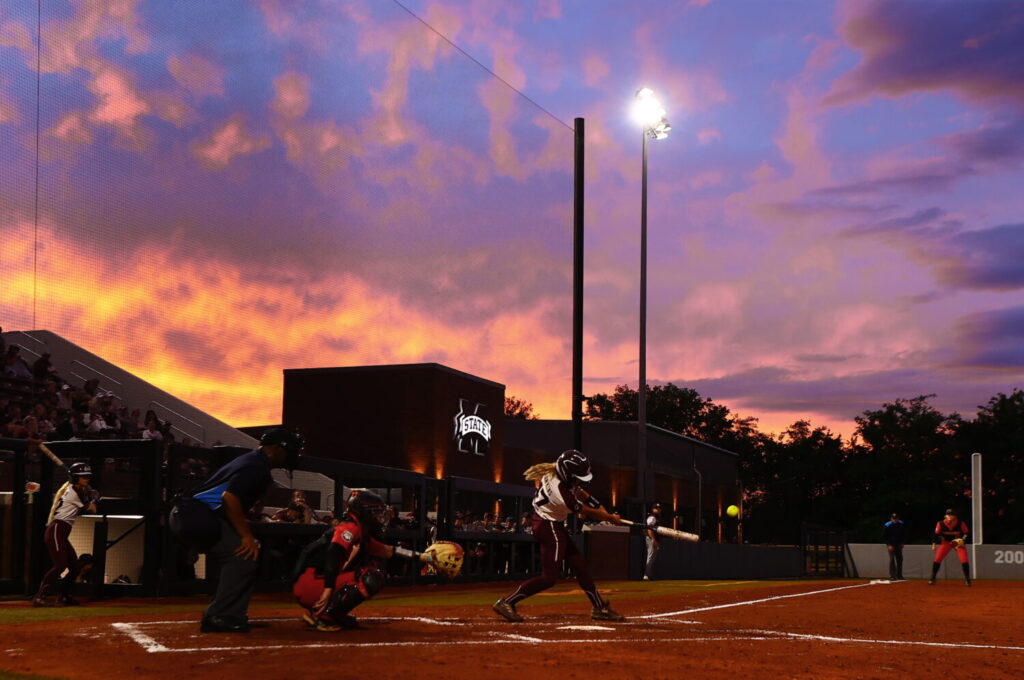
(229,189)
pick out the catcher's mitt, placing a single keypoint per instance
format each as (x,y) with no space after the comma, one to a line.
(445,558)
(958,542)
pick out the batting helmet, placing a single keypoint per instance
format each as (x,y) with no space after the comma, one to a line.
(572,466)
(291,442)
(78,470)
(370,509)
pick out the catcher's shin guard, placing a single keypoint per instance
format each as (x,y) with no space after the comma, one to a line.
(344,601)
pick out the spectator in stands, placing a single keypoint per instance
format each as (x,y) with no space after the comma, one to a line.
(525,524)
(65,402)
(95,424)
(14,365)
(152,430)
(43,368)
(292,514)
(69,426)
(3,342)
(47,420)
(91,387)
(299,499)
(167,430)
(31,426)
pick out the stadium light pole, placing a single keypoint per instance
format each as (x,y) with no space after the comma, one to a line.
(650,114)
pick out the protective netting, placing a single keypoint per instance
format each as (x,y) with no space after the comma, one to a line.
(213,192)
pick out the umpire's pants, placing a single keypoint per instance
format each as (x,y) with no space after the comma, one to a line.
(236,577)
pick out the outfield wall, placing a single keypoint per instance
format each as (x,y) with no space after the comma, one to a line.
(871,560)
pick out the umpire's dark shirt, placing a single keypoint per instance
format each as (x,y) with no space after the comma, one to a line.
(247,477)
(895,532)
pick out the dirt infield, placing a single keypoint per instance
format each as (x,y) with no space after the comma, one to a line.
(837,629)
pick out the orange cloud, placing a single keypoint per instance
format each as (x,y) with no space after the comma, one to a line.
(229,141)
(218,335)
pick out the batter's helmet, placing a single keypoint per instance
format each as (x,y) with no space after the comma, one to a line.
(572,466)
(78,470)
(370,509)
(291,442)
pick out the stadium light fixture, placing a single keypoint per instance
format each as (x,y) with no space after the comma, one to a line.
(652,117)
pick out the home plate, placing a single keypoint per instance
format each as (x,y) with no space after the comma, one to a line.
(585,628)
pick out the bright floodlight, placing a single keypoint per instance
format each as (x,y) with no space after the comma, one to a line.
(648,112)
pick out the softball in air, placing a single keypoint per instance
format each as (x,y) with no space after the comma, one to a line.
(732,511)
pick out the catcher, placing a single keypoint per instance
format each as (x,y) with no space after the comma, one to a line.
(353,565)
(559,494)
(950,534)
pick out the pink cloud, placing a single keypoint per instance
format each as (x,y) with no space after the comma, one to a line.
(73,129)
(200,77)
(595,70)
(708,135)
(291,95)
(228,142)
(17,35)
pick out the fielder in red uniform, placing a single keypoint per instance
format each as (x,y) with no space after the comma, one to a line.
(558,496)
(950,534)
(352,570)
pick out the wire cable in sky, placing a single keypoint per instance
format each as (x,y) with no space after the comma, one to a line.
(477,62)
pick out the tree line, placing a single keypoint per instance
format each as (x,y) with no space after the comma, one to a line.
(905,456)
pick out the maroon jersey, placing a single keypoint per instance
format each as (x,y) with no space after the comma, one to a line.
(946,532)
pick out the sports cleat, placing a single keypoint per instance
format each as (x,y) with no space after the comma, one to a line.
(218,624)
(325,627)
(67,601)
(931,581)
(967,582)
(307,618)
(606,613)
(507,611)
(40,602)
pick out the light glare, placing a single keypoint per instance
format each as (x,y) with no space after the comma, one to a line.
(650,114)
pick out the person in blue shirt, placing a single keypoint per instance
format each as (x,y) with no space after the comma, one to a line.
(895,536)
(229,493)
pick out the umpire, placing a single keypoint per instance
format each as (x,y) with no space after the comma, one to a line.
(895,535)
(213,521)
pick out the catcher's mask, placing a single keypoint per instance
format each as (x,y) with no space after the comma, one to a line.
(573,467)
(291,442)
(370,509)
(79,470)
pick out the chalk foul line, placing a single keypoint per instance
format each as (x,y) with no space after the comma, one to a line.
(744,603)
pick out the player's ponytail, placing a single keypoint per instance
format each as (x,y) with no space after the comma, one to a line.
(57,497)
(539,470)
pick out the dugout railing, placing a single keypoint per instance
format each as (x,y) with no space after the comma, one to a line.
(133,553)
(491,555)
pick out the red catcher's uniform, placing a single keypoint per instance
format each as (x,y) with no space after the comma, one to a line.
(359,553)
(944,535)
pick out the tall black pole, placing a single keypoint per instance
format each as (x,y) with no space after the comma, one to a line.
(641,410)
(577,289)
